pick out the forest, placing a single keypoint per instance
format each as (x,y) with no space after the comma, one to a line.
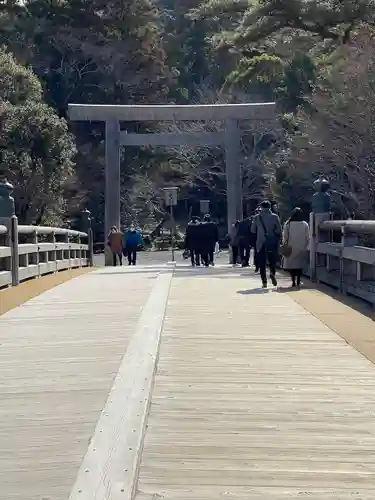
(315,58)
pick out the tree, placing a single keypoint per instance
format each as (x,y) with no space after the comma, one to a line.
(188,49)
(337,138)
(203,168)
(102,52)
(276,44)
(109,52)
(37,149)
(332,20)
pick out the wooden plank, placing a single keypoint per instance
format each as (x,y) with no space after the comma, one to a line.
(172,140)
(59,355)
(110,466)
(172,112)
(255,398)
(265,493)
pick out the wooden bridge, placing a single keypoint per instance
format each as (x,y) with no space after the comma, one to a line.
(164,382)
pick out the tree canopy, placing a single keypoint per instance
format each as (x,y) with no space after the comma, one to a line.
(37,149)
(315,59)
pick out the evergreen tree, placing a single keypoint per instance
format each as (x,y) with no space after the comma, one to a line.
(37,150)
(90,51)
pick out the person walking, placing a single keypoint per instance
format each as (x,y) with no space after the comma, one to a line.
(234,240)
(114,240)
(192,241)
(266,225)
(245,236)
(132,243)
(296,237)
(202,244)
(210,237)
(253,241)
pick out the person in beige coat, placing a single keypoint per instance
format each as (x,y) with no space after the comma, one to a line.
(296,236)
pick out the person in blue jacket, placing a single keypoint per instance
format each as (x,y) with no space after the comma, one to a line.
(132,243)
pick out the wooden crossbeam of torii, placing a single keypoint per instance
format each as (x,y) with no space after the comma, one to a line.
(230,139)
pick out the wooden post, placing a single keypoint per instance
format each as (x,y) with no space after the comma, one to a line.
(87,228)
(14,246)
(112,181)
(312,248)
(233,172)
(315,239)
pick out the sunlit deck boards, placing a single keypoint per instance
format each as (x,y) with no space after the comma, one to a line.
(59,354)
(255,398)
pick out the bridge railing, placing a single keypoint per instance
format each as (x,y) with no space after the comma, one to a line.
(342,255)
(33,251)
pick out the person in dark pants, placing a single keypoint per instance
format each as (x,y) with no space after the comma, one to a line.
(115,244)
(254,239)
(234,241)
(202,244)
(255,261)
(266,225)
(210,238)
(245,237)
(192,241)
(132,243)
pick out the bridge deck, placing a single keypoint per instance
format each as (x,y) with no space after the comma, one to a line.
(253,398)
(59,355)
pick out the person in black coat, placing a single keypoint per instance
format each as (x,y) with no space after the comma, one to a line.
(246,239)
(210,238)
(192,240)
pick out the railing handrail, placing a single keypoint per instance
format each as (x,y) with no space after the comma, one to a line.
(354,226)
(342,255)
(39,251)
(46,230)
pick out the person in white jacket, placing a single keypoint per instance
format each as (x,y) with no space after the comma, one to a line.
(296,236)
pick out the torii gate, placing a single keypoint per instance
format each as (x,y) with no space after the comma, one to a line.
(230,139)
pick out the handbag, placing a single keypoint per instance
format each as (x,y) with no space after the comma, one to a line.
(285,248)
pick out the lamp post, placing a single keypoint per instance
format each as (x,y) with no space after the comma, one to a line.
(87,227)
(170,198)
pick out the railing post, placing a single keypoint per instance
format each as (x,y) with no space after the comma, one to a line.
(69,241)
(348,239)
(312,247)
(14,250)
(51,238)
(7,212)
(36,258)
(315,239)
